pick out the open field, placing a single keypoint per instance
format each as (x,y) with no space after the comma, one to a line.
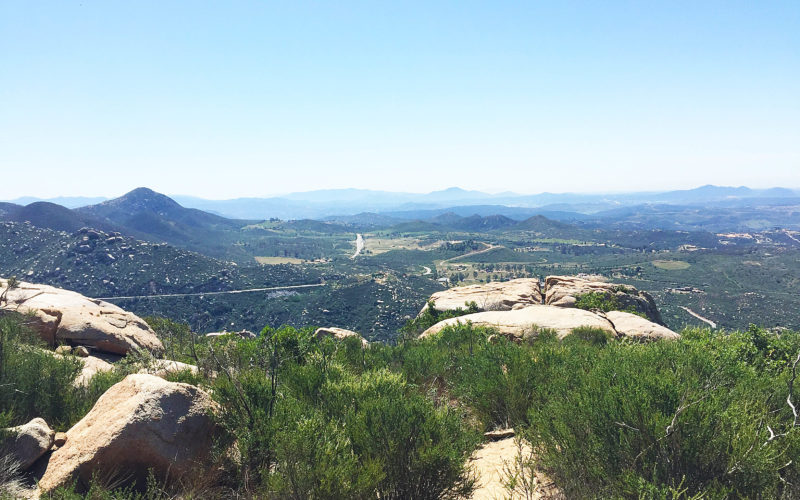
(377,243)
(671,265)
(269,261)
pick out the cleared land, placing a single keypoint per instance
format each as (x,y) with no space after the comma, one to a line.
(671,265)
(268,261)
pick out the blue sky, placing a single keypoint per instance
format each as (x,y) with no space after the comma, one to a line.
(229,99)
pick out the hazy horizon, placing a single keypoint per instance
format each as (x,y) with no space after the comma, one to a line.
(257,99)
(492,194)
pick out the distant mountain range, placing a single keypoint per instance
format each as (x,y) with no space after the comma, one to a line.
(338,203)
(196,224)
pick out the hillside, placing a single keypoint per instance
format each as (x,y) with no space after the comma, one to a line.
(147,215)
(51,216)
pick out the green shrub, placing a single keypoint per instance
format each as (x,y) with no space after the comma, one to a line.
(602,301)
(592,335)
(430,316)
(309,426)
(688,415)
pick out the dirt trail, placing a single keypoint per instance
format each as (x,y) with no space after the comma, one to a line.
(470,254)
(492,464)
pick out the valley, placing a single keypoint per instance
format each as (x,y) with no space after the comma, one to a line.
(152,256)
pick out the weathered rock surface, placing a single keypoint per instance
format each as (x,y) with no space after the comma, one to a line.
(28,442)
(64,349)
(141,423)
(563,291)
(91,366)
(631,325)
(60,439)
(164,367)
(338,334)
(65,316)
(522,323)
(495,296)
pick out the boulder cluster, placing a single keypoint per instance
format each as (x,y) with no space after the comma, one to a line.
(524,307)
(141,424)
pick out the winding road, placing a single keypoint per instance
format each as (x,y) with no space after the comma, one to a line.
(199,294)
(705,320)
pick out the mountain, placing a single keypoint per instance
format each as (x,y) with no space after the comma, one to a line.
(64,201)
(539,223)
(366,219)
(325,204)
(51,216)
(148,215)
(474,222)
(516,213)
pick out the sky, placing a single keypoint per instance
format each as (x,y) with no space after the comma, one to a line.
(233,99)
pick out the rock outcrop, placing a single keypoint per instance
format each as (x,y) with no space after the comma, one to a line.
(633,326)
(338,334)
(563,291)
(526,322)
(92,365)
(494,296)
(26,443)
(62,316)
(165,367)
(141,423)
(520,308)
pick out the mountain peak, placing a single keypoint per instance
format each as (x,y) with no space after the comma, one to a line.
(143,199)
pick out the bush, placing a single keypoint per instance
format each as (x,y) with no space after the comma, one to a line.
(598,301)
(688,416)
(430,316)
(309,426)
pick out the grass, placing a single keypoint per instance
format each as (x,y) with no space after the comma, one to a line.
(671,265)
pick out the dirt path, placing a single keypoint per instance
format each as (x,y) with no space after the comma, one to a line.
(705,320)
(428,270)
(199,294)
(493,464)
(470,254)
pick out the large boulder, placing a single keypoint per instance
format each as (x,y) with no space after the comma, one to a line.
(338,334)
(522,323)
(26,443)
(633,326)
(529,321)
(494,296)
(142,423)
(564,291)
(62,316)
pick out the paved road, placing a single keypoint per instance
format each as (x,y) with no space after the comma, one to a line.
(706,320)
(359,245)
(199,294)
